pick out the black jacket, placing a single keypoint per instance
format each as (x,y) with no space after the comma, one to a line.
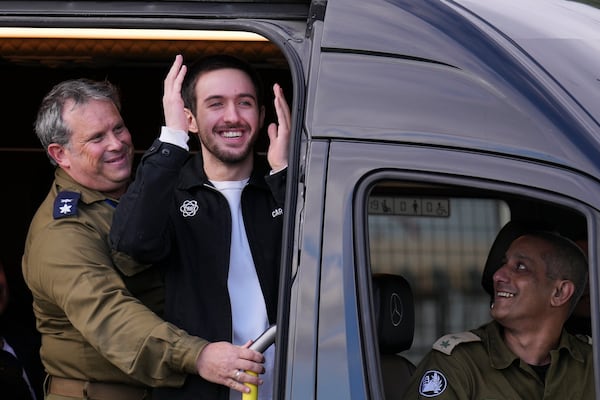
(173,216)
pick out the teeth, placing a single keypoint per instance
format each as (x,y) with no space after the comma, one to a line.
(504,294)
(232,134)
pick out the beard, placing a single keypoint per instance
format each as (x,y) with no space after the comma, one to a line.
(224,153)
(230,157)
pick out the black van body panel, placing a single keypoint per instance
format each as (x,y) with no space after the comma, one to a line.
(12,11)
(484,99)
(351,162)
(447,78)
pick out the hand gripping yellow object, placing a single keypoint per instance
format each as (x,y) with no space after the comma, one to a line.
(253,394)
(261,344)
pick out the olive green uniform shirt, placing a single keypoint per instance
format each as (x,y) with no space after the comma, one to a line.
(478,365)
(93,326)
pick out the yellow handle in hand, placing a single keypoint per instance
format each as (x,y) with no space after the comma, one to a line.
(253,394)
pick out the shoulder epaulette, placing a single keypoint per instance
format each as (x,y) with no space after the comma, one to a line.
(584,338)
(65,204)
(447,343)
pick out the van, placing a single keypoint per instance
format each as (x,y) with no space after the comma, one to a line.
(421,129)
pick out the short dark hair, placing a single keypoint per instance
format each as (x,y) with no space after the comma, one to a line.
(565,261)
(213,63)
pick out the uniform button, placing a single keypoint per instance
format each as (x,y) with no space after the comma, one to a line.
(165,152)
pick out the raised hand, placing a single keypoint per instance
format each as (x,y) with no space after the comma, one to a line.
(175,115)
(279,133)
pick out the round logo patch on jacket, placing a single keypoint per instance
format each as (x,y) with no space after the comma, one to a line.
(189,208)
(432,384)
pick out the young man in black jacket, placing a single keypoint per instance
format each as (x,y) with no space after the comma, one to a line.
(213,219)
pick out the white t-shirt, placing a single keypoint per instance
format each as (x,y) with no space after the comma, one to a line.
(248,309)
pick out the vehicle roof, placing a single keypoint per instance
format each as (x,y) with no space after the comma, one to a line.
(496,77)
(563,38)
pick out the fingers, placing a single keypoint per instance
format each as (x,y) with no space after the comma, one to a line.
(283,115)
(241,377)
(174,79)
(236,383)
(228,365)
(175,69)
(173,105)
(239,381)
(282,110)
(251,361)
(279,133)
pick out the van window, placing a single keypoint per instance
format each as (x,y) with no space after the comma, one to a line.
(438,239)
(135,60)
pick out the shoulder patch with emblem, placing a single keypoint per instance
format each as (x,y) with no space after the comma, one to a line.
(65,204)
(433,383)
(447,343)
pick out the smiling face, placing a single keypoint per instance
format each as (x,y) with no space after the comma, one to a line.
(522,289)
(99,154)
(228,118)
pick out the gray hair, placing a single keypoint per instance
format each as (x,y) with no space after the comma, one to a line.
(49,125)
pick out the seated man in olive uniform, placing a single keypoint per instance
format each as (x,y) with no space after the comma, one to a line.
(525,352)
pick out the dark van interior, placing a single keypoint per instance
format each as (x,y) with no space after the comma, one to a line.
(32,66)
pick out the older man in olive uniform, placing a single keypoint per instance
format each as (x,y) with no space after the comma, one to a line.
(100,338)
(524,353)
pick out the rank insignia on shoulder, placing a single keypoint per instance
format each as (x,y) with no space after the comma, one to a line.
(447,343)
(65,204)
